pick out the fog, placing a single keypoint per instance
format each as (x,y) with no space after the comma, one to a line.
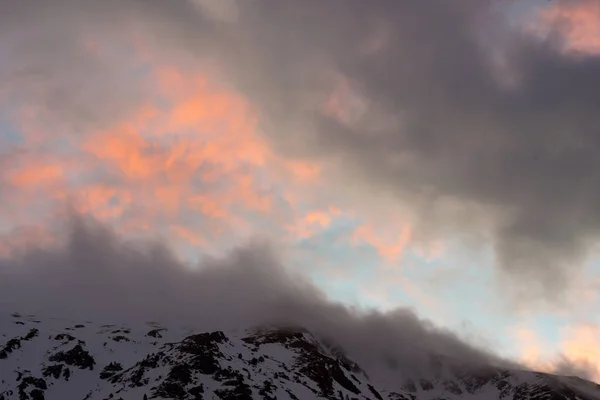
(97,275)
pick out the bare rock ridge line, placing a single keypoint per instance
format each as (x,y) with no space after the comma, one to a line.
(54,359)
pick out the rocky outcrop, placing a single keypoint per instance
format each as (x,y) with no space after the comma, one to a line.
(39,360)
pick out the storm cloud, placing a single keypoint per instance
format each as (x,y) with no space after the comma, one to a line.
(97,275)
(502,129)
(473,125)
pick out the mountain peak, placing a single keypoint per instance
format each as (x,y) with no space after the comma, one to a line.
(59,359)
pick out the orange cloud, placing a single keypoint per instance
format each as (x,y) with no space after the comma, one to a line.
(245,189)
(22,237)
(312,222)
(207,206)
(580,346)
(205,135)
(303,170)
(35,174)
(318,217)
(222,117)
(101,200)
(389,246)
(191,147)
(126,150)
(188,234)
(530,347)
(577,21)
(192,157)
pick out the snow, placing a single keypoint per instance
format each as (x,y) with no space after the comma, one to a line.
(278,364)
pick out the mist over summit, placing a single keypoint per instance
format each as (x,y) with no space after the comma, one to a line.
(55,358)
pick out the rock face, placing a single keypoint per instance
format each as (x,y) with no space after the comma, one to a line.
(61,360)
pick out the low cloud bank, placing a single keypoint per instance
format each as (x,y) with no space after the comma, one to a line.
(100,276)
(473,126)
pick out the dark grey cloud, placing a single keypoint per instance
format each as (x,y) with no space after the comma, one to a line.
(473,125)
(97,275)
(523,151)
(77,66)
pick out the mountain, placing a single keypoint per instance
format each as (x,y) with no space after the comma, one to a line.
(56,359)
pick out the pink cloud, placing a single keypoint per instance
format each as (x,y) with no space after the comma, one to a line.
(189,163)
(390,245)
(577,21)
(303,170)
(25,236)
(35,175)
(579,346)
(312,222)
(198,152)
(188,234)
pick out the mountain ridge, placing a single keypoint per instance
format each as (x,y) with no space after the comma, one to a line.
(60,359)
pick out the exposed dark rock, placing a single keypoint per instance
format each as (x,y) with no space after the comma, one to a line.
(16,343)
(398,396)
(151,360)
(64,337)
(375,392)
(250,371)
(476,379)
(110,370)
(31,334)
(52,370)
(267,391)
(452,387)
(197,392)
(200,343)
(312,363)
(77,357)
(9,347)
(170,390)
(137,378)
(410,386)
(425,384)
(180,373)
(155,333)
(31,388)
(238,390)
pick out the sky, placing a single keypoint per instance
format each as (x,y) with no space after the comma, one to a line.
(435,157)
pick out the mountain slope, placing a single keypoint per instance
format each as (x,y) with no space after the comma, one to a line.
(58,359)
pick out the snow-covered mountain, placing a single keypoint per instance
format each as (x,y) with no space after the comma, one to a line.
(56,359)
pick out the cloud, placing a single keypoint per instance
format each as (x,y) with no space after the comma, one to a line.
(187,159)
(516,162)
(78,65)
(96,274)
(402,99)
(575,354)
(399,126)
(581,368)
(577,21)
(388,249)
(581,346)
